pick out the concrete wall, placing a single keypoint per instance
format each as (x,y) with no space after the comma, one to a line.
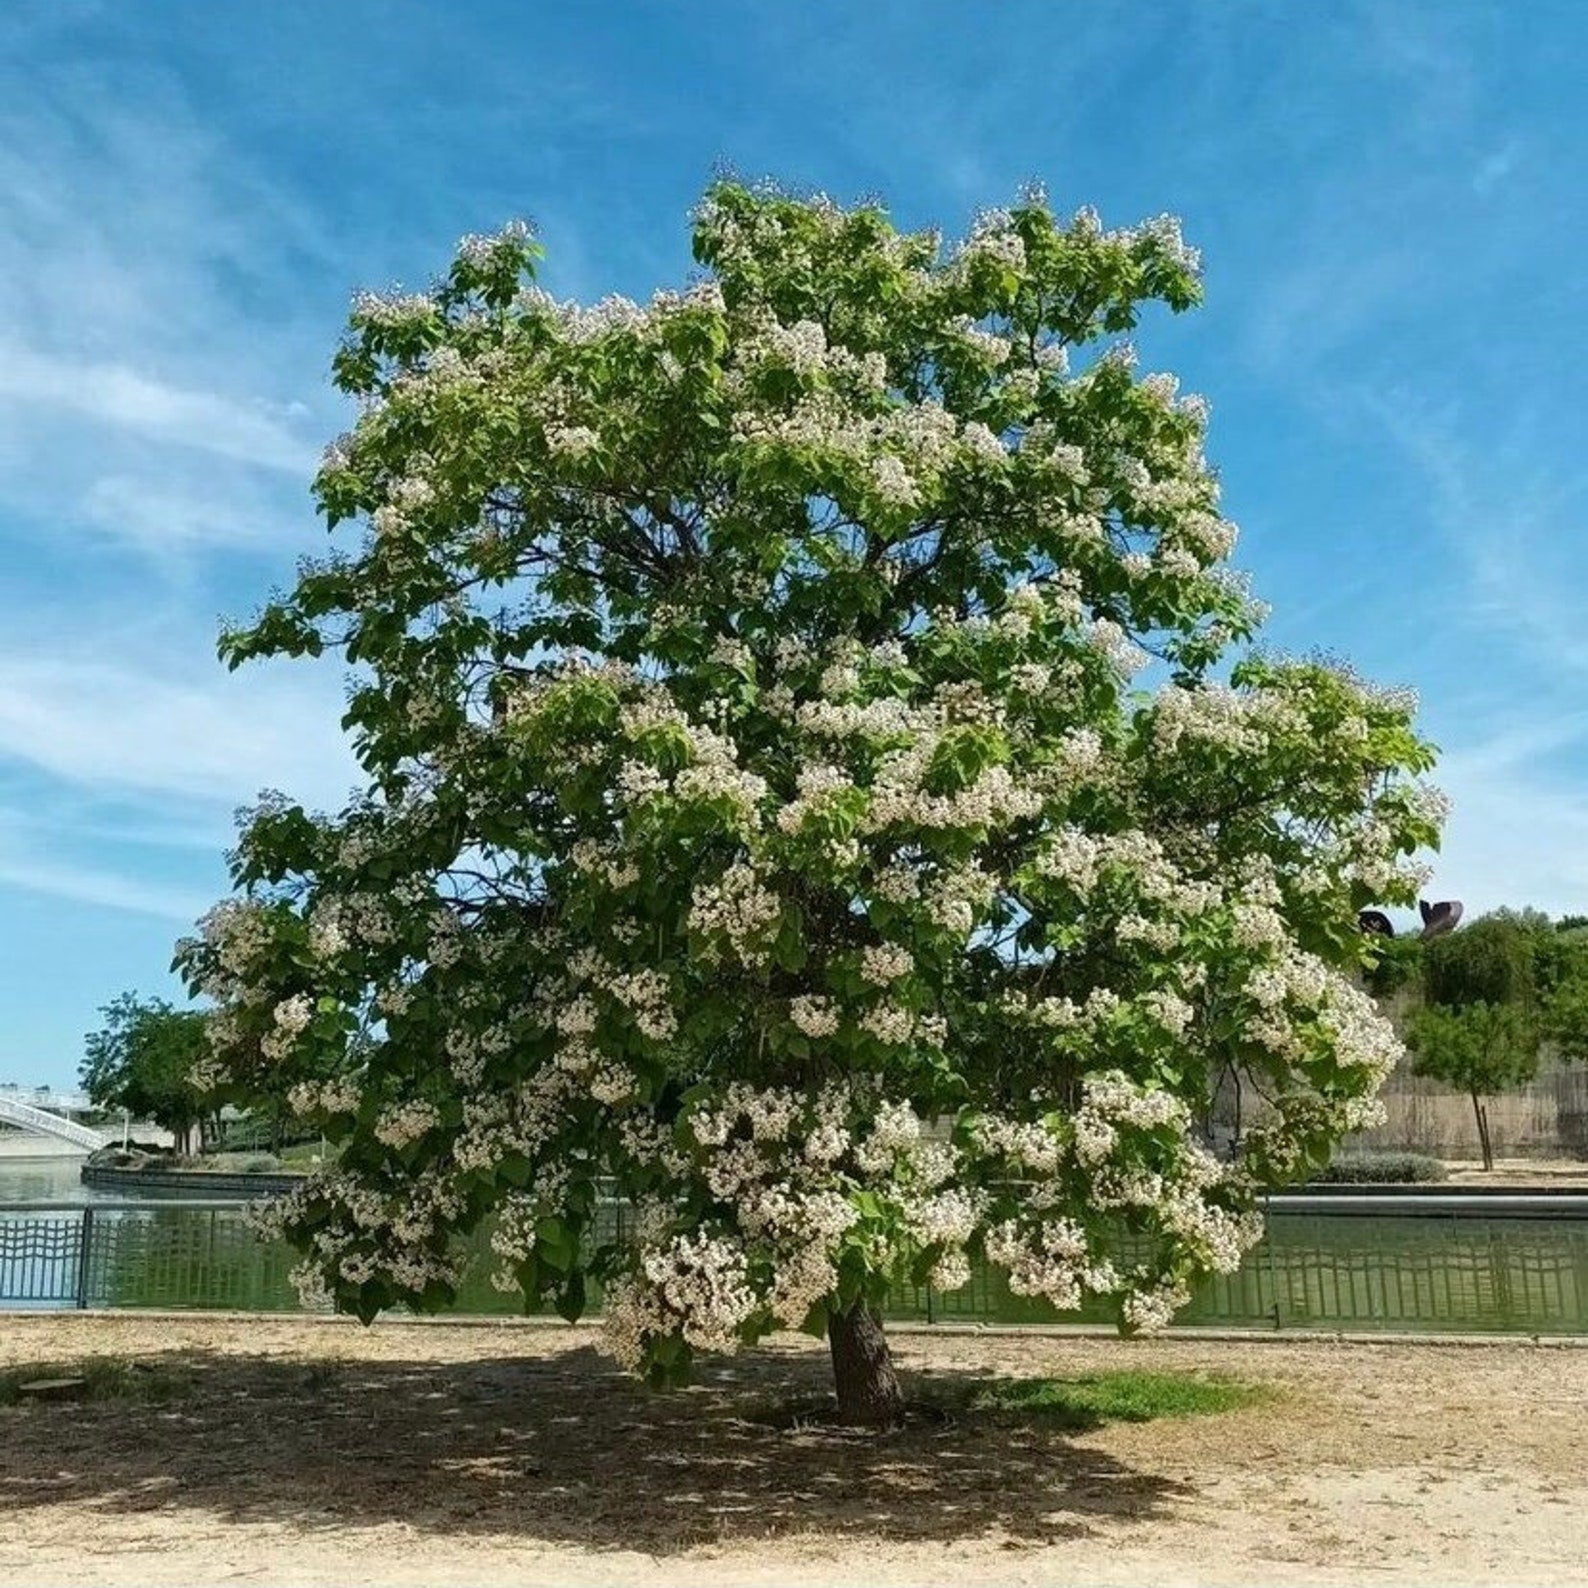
(1548,1118)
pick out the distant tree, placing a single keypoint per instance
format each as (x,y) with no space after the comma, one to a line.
(1495,960)
(141,1060)
(1484,1048)
(1396,963)
(1489,998)
(1566,1017)
(1564,991)
(1491,995)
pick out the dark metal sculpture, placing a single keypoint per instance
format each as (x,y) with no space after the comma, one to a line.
(1439,918)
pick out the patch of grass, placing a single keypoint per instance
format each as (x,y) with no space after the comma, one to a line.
(104,1379)
(306,1155)
(1092,1399)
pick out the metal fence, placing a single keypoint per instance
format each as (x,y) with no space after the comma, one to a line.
(1466,1270)
(140,1254)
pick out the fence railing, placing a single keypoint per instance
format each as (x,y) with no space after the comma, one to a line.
(1470,1269)
(139,1254)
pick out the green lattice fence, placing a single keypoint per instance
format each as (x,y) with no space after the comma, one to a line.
(1463,1272)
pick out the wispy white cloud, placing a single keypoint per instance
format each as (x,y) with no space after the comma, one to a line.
(104,889)
(152,327)
(172,514)
(197,734)
(142,405)
(1507,653)
(1509,506)
(124,775)
(1325,296)
(161,392)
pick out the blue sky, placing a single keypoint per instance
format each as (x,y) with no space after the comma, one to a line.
(1388,198)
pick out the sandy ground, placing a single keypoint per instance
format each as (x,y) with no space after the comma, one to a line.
(315,1452)
(1560,1172)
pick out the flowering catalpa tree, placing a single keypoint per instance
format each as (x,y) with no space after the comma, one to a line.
(762,825)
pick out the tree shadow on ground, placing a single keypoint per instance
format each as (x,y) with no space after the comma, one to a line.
(561,1449)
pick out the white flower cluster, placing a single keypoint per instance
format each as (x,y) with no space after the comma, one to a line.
(695,1286)
(368,1234)
(735,914)
(815,1015)
(328,1097)
(404,1123)
(819,787)
(1212,714)
(392,310)
(895,1129)
(1119,1128)
(884,963)
(289,1020)
(889,1023)
(327,936)
(949,1217)
(788,1166)
(900,796)
(239,932)
(482,248)
(570,441)
(1026,1145)
(1150,1308)
(1053,1261)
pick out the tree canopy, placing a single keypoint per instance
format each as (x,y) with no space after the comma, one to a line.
(820,791)
(1483,1048)
(142,1060)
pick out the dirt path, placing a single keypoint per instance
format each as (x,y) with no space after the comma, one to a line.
(314,1452)
(1561,1173)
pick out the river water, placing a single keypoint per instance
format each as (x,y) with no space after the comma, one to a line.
(28,1178)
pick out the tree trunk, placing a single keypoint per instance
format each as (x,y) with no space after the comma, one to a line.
(1484,1144)
(868,1389)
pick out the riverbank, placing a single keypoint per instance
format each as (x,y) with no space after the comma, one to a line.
(195,1182)
(317,1452)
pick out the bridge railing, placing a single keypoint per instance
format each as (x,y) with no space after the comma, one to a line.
(43,1122)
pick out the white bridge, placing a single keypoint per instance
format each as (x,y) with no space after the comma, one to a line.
(44,1122)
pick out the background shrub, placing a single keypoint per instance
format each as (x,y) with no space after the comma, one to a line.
(1367,1168)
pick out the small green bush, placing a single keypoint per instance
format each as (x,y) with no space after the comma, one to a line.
(1385,1168)
(241,1163)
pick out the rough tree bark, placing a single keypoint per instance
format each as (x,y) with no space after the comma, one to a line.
(868,1388)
